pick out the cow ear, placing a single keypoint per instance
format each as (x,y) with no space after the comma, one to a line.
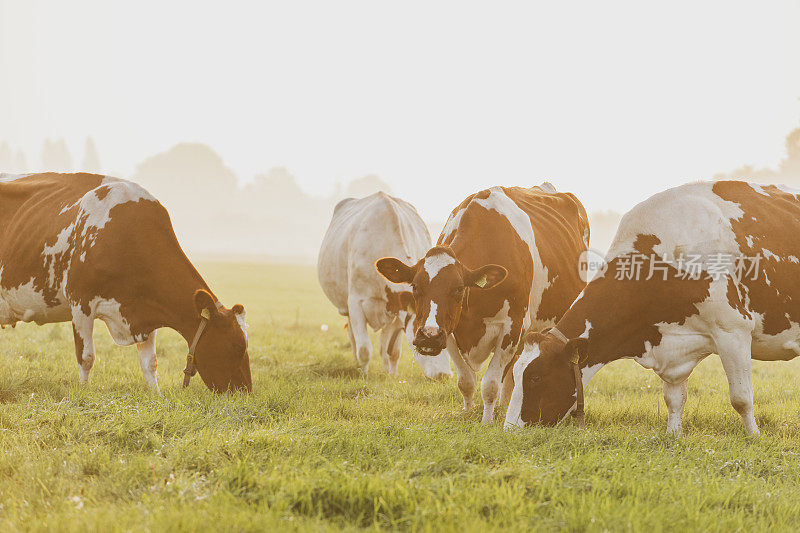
(395,270)
(577,349)
(205,304)
(486,277)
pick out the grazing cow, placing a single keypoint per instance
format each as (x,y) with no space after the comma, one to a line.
(80,247)
(702,268)
(361,232)
(508,258)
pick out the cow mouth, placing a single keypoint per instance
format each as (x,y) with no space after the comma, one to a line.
(428,350)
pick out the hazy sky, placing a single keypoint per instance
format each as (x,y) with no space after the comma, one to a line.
(612,100)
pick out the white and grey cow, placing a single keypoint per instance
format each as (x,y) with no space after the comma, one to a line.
(361,232)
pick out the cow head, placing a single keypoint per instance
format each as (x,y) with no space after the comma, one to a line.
(401,303)
(544,381)
(434,367)
(439,285)
(221,353)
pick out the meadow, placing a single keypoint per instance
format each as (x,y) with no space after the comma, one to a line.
(318,446)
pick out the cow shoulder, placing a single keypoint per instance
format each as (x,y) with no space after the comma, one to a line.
(453,222)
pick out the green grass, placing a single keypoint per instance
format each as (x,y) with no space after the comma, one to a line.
(316,446)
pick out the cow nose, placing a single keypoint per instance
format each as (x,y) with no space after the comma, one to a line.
(429,340)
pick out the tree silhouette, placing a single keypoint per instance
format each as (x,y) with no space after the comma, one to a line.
(56,156)
(788,170)
(20,163)
(193,183)
(185,170)
(364,186)
(791,165)
(91,160)
(6,159)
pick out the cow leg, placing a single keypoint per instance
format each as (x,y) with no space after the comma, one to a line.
(675,398)
(362,346)
(490,384)
(391,344)
(148,360)
(467,379)
(507,387)
(352,340)
(83,333)
(734,351)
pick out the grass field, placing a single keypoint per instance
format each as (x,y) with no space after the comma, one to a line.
(317,446)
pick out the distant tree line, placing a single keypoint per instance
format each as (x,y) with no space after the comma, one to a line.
(55,157)
(212,214)
(272,215)
(788,170)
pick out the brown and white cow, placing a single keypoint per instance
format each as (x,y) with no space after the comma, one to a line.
(80,247)
(506,260)
(702,268)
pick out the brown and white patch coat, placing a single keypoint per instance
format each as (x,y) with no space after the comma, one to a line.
(81,247)
(507,259)
(670,322)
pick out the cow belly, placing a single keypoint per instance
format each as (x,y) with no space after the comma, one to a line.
(26,304)
(781,347)
(333,280)
(337,295)
(375,312)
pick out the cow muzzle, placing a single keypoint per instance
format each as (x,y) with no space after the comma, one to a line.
(430,341)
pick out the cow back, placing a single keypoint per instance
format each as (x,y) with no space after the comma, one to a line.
(361,232)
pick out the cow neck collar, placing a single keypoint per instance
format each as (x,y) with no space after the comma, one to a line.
(179,306)
(555,332)
(574,361)
(464,310)
(191,368)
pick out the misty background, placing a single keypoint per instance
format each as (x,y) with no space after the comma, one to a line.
(250,122)
(271,217)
